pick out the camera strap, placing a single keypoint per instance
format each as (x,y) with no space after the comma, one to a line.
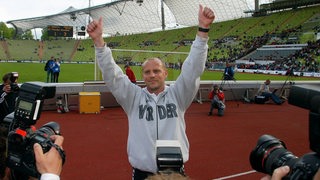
(61,152)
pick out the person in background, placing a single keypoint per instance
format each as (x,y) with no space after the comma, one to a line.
(217,100)
(48,68)
(282,171)
(9,90)
(155,112)
(168,176)
(48,164)
(265,91)
(130,74)
(228,73)
(56,70)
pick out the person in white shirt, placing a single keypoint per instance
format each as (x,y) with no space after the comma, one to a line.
(155,112)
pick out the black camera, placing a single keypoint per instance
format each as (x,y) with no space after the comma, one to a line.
(14,87)
(169,156)
(23,135)
(271,153)
(13,84)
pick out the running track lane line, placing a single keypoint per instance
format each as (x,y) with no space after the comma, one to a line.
(236,175)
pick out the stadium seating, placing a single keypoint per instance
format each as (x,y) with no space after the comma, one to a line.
(228,39)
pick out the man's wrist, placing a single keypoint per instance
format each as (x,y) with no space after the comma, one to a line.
(49,176)
(99,42)
(201,29)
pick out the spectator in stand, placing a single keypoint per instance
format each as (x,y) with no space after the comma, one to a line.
(130,74)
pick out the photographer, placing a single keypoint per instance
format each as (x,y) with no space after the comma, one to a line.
(228,72)
(25,151)
(49,164)
(217,101)
(8,94)
(264,90)
(282,171)
(278,173)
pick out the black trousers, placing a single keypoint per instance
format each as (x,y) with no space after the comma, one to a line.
(138,174)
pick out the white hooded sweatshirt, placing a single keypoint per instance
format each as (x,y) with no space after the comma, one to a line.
(154,117)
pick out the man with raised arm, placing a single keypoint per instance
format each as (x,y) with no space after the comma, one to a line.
(155,112)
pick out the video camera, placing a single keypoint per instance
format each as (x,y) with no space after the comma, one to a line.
(271,153)
(22,135)
(169,156)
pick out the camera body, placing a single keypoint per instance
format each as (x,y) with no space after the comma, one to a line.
(13,82)
(169,156)
(14,87)
(271,153)
(22,135)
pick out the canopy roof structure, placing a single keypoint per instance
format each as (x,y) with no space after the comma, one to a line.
(138,16)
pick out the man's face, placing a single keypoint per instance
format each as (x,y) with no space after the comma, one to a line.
(154,75)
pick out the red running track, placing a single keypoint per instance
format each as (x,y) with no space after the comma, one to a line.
(95,144)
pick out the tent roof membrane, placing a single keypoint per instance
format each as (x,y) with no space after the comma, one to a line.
(137,16)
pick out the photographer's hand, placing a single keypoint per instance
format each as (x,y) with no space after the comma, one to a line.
(278,173)
(7,88)
(317,175)
(50,162)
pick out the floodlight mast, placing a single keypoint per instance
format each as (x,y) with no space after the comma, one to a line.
(96,71)
(163,25)
(89,12)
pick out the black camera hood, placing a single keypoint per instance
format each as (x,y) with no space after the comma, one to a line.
(306,96)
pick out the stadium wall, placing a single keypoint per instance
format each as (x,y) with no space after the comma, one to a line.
(234,91)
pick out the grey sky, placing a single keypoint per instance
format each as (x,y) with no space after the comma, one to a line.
(20,9)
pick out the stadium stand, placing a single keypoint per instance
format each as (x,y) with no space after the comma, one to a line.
(23,50)
(287,4)
(230,41)
(59,48)
(274,52)
(4,50)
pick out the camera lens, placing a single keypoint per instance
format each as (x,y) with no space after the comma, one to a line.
(51,128)
(269,154)
(14,87)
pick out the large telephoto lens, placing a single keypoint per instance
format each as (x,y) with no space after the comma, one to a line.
(269,154)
